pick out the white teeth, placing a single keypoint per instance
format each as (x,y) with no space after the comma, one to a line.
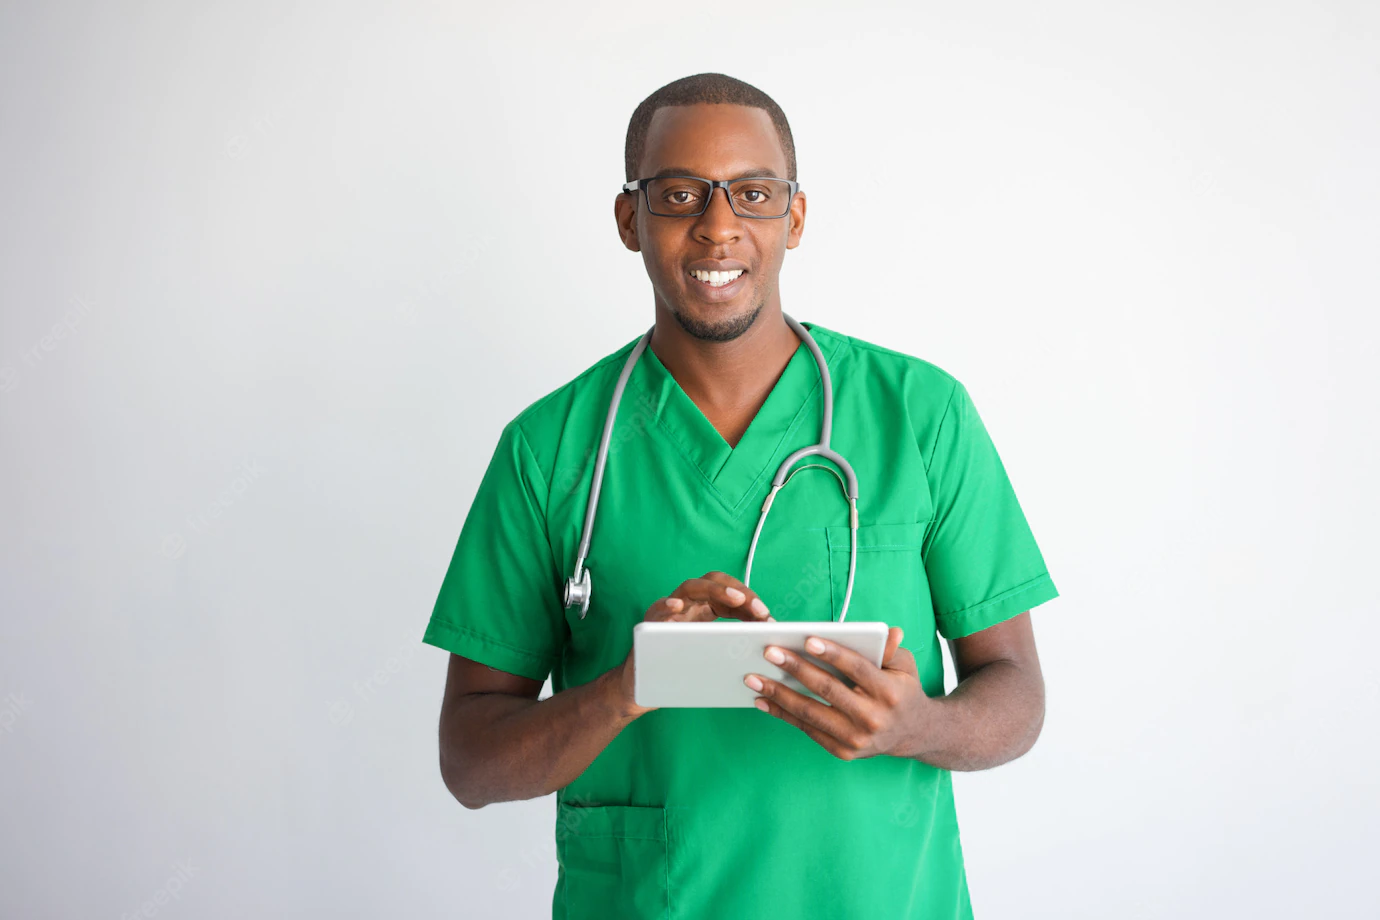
(717,279)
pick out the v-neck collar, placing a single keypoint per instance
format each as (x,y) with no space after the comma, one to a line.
(734,473)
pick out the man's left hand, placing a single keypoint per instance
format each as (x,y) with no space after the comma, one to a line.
(886,712)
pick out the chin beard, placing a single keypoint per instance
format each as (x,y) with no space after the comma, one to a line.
(724,330)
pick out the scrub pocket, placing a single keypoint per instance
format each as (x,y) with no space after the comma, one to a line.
(889,584)
(612,861)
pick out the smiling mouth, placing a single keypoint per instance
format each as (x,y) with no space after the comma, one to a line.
(718,279)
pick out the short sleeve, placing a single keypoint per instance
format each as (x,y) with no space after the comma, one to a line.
(981,559)
(498,602)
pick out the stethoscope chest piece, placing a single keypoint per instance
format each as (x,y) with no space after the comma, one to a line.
(578,591)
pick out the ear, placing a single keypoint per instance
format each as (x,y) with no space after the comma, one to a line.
(796,219)
(625,214)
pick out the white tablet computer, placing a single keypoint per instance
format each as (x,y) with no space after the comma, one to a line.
(682,665)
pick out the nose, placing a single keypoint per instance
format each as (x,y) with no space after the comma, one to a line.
(718,223)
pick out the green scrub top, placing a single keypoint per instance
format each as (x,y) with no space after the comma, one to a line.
(716,813)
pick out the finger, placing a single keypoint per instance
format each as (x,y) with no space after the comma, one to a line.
(754,603)
(706,600)
(838,714)
(678,610)
(904,661)
(822,738)
(867,677)
(893,642)
(709,599)
(666,608)
(854,702)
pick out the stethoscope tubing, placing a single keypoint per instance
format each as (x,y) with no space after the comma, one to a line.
(578,588)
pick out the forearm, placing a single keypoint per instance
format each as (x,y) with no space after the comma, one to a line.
(500,748)
(993,716)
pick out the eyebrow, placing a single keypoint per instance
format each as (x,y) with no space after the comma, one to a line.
(757,172)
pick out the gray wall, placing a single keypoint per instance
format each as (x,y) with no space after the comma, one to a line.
(273,277)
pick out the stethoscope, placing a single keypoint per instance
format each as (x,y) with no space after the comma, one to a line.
(578,587)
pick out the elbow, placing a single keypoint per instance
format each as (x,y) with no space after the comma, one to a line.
(1034,726)
(477,766)
(457,783)
(468,782)
(461,792)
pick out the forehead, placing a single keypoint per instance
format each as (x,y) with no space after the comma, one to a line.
(716,141)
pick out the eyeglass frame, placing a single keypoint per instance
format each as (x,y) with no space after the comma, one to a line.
(636,185)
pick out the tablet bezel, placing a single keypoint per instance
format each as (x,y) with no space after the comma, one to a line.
(708,670)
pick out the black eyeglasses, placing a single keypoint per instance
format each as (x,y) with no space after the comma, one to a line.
(758,197)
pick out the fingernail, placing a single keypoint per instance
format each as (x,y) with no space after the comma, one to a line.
(814,645)
(752,681)
(674,603)
(735,595)
(760,607)
(761,704)
(771,619)
(774,655)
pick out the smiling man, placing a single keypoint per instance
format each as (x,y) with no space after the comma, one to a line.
(836,807)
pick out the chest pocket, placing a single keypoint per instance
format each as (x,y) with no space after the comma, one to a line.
(889,584)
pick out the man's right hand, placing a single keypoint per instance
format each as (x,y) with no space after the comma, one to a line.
(714,595)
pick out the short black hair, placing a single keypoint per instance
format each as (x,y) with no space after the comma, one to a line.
(714,88)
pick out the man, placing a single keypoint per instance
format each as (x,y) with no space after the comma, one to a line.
(841,808)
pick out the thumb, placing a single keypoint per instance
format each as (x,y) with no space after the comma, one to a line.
(893,642)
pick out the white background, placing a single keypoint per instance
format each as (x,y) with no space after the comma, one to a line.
(275,276)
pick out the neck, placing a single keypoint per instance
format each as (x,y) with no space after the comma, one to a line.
(729,381)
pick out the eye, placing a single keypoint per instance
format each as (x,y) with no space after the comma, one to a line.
(680,195)
(753,194)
